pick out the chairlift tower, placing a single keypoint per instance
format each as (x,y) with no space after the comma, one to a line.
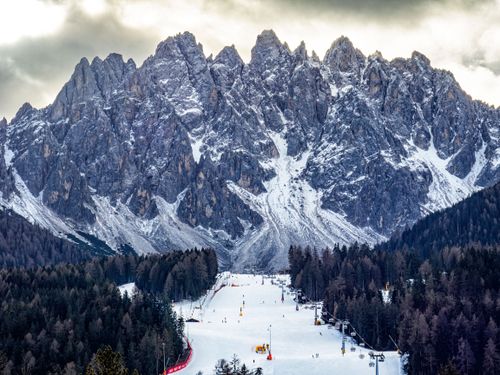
(377,357)
(344,324)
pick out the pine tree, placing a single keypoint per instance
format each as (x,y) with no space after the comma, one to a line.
(465,359)
(235,363)
(491,331)
(244,370)
(106,362)
(221,367)
(3,361)
(448,369)
(491,358)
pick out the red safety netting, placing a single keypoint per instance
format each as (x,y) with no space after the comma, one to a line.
(181,365)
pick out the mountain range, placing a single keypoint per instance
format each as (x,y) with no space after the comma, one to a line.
(247,158)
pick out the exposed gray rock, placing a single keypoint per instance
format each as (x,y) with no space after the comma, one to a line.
(248,158)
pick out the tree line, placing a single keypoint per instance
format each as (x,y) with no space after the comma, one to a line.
(55,319)
(473,221)
(23,244)
(443,308)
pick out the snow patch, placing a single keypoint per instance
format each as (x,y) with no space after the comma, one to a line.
(128,288)
(196,144)
(117,225)
(8,156)
(33,209)
(292,213)
(446,189)
(386,296)
(477,168)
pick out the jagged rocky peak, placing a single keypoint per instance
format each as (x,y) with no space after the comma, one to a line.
(25,110)
(226,67)
(229,56)
(315,58)
(268,50)
(418,56)
(181,46)
(376,75)
(342,56)
(377,56)
(3,122)
(301,51)
(268,38)
(81,87)
(114,65)
(111,73)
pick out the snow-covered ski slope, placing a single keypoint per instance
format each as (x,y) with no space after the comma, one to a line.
(295,339)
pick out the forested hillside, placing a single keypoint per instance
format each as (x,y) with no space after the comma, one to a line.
(53,319)
(474,221)
(23,244)
(442,310)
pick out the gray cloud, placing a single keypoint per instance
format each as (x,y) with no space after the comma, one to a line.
(460,35)
(395,10)
(35,69)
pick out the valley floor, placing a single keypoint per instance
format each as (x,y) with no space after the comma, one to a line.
(298,346)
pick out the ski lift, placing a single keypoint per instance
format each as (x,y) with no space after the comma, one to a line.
(331,321)
(381,358)
(337,325)
(372,364)
(353,334)
(361,344)
(361,356)
(353,349)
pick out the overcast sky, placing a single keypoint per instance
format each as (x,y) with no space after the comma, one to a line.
(42,40)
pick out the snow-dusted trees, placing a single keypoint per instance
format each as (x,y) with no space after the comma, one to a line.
(233,367)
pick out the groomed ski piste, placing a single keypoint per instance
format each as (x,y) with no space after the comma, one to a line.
(297,345)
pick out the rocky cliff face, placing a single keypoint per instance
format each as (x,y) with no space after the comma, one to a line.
(247,158)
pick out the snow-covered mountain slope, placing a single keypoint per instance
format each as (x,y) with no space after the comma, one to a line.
(295,340)
(247,158)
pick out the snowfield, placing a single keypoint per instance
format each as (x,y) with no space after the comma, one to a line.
(295,339)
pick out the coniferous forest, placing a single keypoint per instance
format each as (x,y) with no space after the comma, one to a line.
(23,244)
(444,310)
(473,221)
(66,319)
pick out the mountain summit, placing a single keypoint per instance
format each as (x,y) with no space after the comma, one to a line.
(188,151)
